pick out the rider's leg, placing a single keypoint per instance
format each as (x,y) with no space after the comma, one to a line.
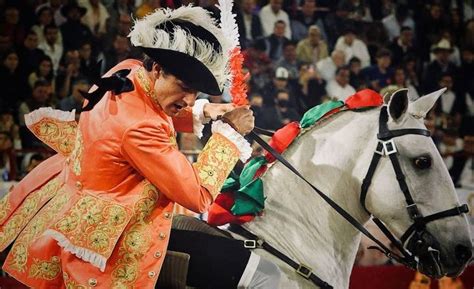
(260,274)
(220,263)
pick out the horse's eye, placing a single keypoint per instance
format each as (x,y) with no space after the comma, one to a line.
(423,163)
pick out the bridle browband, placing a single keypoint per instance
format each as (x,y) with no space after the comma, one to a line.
(385,147)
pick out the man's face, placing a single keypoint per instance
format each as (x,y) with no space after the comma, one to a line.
(355,67)
(85,51)
(280,83)
(343,77)
(399,76)
(12,16)
(45,17)
(443,55)
(349,38)
(11,61)
(121,45)
(172,94)
(384,61)
(279,29)
(289,53)
(5,142)
(339,58)
(31,41)
(45,67)
(248,6)
(41,93)
(435,11)
(314,36)
(276,5)
(446,81)
(308,7)
(407,37)
(51,35)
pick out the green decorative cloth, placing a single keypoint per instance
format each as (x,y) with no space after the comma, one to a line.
(314,114)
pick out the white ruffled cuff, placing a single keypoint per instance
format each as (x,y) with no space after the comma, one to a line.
(198,117)
(236,138)
(48,112)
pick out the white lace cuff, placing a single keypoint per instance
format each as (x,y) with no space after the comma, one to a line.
(198,117)
(48,112)
(236,138)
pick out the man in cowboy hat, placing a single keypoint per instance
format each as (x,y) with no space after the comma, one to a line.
(98,214)
(439,66)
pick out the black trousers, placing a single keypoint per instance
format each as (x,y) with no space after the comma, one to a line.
(216,262)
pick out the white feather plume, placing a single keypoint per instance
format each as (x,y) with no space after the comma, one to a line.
(230,30)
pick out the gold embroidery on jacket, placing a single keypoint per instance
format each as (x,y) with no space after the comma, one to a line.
(135,241)
(72,284)
(18,256)
(76,155)
(47,270)
(25,212)
(59,135)
(215,162)
(144,82)
(94,224)
(5,207)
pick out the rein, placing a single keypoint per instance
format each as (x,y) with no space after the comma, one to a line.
(385,147)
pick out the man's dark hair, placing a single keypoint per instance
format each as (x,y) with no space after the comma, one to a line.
(41,82)
(354,59)
(405,28)
(344,67)
(49,26)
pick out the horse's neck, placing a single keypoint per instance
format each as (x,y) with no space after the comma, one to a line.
(334,156)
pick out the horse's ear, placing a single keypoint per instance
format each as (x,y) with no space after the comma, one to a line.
(398,104)
(423,105)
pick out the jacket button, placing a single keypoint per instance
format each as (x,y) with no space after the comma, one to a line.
(162,236)
(78,185)
(157,254)
(151,274)
(92,282)
(167,215)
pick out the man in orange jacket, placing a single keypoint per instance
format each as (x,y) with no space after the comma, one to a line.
(98,213)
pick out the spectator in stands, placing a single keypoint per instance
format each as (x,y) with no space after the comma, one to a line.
(96,19)
(87,59)
(44,17)
(74,32)
(395,21)
(411,71)
(14,87)
(119,52)
(258,64)
(34,161)
(289,61)
(40,97)
(439,66)
(55,6)
(29,54)
(280,113)
(12,27)
(305,18)
(7,124)
(353,46)
(249,24)
(313,86)
(51,47)
(335,22)
(271,13)
(455,56)
(451,105)
(44,71)
(403,45)
(379,75)
(6,161)
(279,82)
(312,49)
(399,80)
(256,105)
(466,71)
(327,67)
(358,10)
(429,28)
(70,70)
(339,87)
(356,79)
(276,41)
(75,100)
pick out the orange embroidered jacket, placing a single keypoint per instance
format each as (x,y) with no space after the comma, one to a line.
(98,214)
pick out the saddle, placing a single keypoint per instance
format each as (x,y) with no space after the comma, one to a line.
(175,266)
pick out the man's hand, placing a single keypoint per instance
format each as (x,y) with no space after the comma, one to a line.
(213,110)
(241,119)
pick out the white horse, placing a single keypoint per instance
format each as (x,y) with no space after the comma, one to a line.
(335,156)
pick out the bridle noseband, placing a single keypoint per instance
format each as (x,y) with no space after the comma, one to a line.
(420,241)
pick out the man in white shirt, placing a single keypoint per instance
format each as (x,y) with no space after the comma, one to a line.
(271,13)
(50,46)
(352,46)
(339,88)
(327,67)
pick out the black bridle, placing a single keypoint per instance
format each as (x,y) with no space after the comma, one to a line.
(421,244)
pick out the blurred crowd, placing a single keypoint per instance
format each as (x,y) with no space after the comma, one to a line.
(299,53)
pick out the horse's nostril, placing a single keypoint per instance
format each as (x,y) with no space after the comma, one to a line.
(463,253)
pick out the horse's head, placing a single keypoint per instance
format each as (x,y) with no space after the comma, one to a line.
(412,193)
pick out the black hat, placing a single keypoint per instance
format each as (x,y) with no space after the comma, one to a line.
(187,43)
